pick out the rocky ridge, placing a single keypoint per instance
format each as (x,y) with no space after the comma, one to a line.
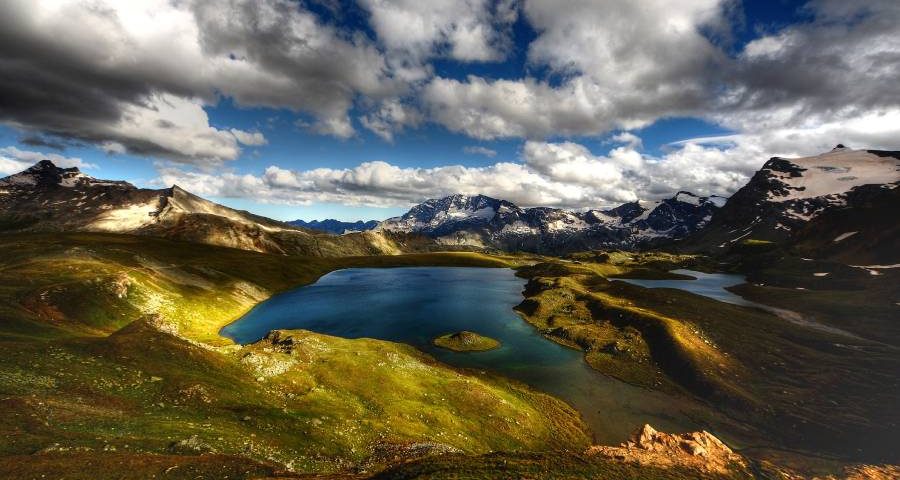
(46,198)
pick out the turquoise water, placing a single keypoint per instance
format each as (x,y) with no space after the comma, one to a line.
(414,305)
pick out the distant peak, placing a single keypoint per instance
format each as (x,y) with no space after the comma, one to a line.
(839,146)
(44,164)
(47,165)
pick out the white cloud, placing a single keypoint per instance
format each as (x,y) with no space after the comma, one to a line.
(560,174)
(479,150)
(180,127)
(629,139)
(624,64)
(14,160)
(391,117)
(136,77)
(113,148)
(413,31)
(249,138)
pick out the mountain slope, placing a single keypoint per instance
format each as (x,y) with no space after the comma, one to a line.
(483,221)
(336,227)
(840,204)
(48,198)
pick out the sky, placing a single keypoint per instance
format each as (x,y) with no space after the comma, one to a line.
(360,109)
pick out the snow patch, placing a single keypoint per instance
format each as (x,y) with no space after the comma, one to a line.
(130,217)
(821,274)
(835,173)
(719,202)
(844,236)
(518,227)
(687,197)
(70,181)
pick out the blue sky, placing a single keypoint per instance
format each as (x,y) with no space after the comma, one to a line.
(592,112)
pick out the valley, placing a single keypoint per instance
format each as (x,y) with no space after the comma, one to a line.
(189,339)
(112,387)
(449,240)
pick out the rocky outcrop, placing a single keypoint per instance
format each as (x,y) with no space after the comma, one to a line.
(701,451)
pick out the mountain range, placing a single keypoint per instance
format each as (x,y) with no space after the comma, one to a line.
(840,205)
(336,227)
(485,222)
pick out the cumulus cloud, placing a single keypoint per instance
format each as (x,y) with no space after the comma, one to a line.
(14,160)
(561,174)
(413,31)
(176,128)
(625,64)
(94,71)
(842,65)
(391,117)
(249,138)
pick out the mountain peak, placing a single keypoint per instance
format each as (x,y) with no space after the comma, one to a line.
(49,167)
(46,174)
(43,165)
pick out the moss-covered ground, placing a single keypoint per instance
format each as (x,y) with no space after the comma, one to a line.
(112,364)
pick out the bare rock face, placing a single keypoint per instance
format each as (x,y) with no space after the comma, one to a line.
(699,450)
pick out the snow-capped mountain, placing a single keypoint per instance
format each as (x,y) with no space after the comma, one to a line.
(789,199)
(336,227)
(482,221)
(48,198)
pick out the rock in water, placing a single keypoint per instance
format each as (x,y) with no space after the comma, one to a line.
(466,341)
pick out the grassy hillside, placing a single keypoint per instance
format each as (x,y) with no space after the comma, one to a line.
(112,363)
(111,348)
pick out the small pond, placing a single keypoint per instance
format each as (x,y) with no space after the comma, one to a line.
(713,285)
(710,285)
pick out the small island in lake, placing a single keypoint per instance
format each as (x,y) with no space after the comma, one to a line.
(466,341)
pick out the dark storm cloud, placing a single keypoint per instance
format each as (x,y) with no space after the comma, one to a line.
(42,141)
(89,72)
